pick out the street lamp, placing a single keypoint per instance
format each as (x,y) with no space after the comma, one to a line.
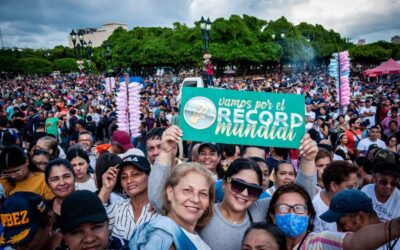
(108,55)
(73,39)
(205,27)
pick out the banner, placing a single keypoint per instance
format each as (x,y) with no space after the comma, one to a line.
(242,117)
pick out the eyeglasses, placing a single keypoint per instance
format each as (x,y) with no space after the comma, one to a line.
(384,182)
(239,186)
(285,208)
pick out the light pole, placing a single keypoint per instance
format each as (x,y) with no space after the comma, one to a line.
(73,39)
(89,55)
(205,27)
(108,55)
(282,43)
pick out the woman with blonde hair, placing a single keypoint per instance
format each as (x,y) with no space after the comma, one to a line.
(187,207)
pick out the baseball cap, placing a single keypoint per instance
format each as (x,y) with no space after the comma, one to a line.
(138,161)
(123,138)
(345,202)
(211,145)
(81,207)
(384,155)
(20,216)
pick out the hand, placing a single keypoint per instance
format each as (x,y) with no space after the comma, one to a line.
(109,178)
(170,138)
(308,148)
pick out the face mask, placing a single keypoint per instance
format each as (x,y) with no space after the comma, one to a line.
(292,225)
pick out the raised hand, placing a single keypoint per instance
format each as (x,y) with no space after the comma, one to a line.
(308,148)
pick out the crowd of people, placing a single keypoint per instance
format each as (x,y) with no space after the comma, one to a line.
(71,179)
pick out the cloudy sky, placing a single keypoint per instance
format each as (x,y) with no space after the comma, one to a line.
(47,23)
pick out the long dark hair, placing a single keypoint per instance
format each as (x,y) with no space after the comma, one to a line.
(292,188)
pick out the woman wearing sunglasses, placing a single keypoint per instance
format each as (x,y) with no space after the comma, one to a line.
(291,210)
(242,186)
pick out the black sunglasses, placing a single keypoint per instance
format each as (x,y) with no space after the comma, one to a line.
(239,186)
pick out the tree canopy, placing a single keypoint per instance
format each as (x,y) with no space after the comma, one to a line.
(241,41)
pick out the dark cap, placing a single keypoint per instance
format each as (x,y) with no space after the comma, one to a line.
(20,217)
(384,155)
(138,161)
(213,146)
(346,202)
(81,207)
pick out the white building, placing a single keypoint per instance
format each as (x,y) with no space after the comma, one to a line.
(97,36)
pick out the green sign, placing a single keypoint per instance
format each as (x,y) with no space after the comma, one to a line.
(242,117)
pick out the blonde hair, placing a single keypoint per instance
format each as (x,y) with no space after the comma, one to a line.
(181,171)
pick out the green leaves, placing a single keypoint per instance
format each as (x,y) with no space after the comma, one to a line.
(243,41)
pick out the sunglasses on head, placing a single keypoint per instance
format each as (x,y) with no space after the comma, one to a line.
(238,186)
(385,182)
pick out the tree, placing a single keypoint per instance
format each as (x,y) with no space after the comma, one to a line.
(65,65)
(34,66)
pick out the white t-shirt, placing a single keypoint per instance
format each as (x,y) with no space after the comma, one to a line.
(87,185)
(311,114)
(364,144)
(197,241)
(388,210)
(320,208)
(371,118)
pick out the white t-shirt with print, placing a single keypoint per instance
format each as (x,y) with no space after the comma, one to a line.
(388,210)
(364,144)
(320,208)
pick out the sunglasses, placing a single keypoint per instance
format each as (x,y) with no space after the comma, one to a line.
(385,182)
(238,186)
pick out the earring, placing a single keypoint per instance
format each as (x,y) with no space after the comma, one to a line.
(124,193)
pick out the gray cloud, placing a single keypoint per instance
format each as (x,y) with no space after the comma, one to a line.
(47,23)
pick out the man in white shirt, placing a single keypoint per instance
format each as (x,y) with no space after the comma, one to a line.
(364,144)
(367,113)
(337,176)
(384,193)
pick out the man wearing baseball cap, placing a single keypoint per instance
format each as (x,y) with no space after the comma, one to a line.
(27,223)
(351,209)
(84,223)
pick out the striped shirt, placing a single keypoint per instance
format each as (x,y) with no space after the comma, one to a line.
(326,240)
(121,218)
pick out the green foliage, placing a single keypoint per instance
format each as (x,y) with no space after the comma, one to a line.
(34,66)
(65,65)
(242,41)
(369,54)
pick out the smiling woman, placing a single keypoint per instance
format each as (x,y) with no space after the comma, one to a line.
(188,201)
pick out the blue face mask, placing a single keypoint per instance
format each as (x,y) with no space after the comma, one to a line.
(292,225)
